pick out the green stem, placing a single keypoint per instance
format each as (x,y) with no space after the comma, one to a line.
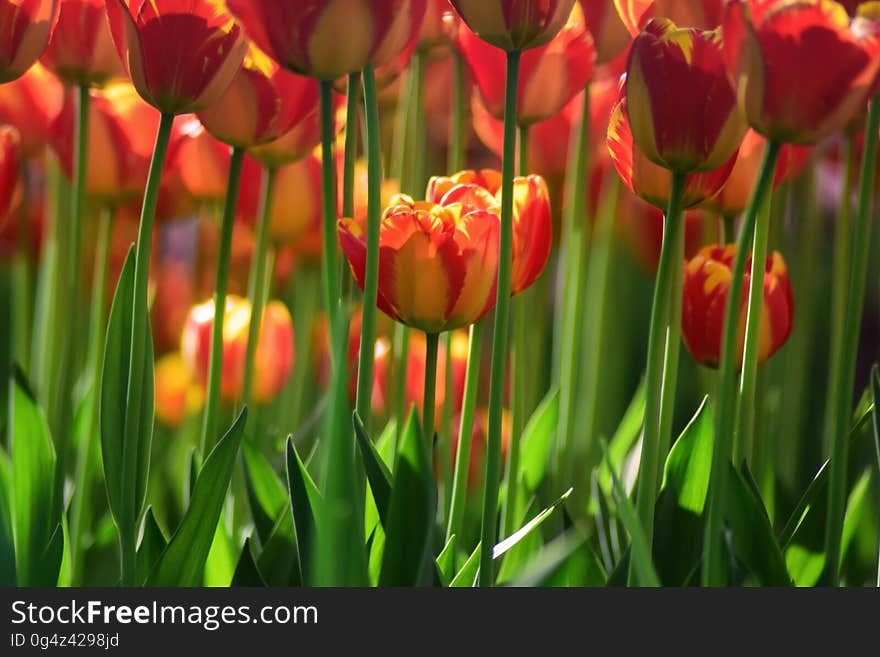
(351,133)
(861,251)
(728,225)
(139,335)
(673,347)
(330,261)
(456,158)
(488,532)
(371,277)
(215,365)
(655,375)
(401,364)
(431,347)
(712,566)
(444,438)
(259,281)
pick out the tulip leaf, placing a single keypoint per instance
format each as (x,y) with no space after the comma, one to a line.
(266,493)
(279,562)
(875,394)
(538,440)
(467,575)
(378,473)
(7,542)
(153,542)
(246,572)
(407,557)
(625,436)
(305,499)
(222,558)
(183,560)
(511,541)
(446,562)
(35,511)
(567,560)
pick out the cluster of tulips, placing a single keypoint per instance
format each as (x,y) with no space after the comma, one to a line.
(247,182)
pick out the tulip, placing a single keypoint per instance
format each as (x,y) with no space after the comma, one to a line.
(177,395)
(181,55)
(174,294)
(81,51)
(650,181)
(27,28)
(295,216)
(437,29)
(31,104)
(704,14)
(610,34)
(263,103)
(642,227)
(437,264)
(291,147)
(707,280)
(274,355)
(681,105)
(550,76)
(10,169)
(514,25)
(803,69)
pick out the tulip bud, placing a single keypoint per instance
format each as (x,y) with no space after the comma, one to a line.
(180,61)
(514,24)
(31,104)
(177,395)
(81,51)
(27,28)
(707,281)
(10,169)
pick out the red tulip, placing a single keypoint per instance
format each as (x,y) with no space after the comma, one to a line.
(181,55)
(704,14)
(707,281)
(609,33)
(550,76)
(514,24)
(10,169)
(31,104)
(263,103)
(650,181)
(803,69)
(81,51)
(327,39)
(27,28)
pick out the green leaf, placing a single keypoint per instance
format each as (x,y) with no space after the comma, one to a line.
(857,506)
(626,435)
(568,560)
(446,562)
(279,562)
(153,542)
(35,511)
(222,559)
(266,493)
(182,561)
(305,498)
(511,541)
(246,572)
(537,441)
(7,542)
(467,575)
(875,394)
(378,473)
(407,557)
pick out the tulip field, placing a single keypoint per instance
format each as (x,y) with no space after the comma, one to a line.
(439,293)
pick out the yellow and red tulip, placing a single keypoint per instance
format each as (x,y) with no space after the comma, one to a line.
(704,14)
(177,394)
(81,51)
(641,225)
(31,104)
(802,69)
(514,24)
(681,105)
(27,28)
(181,55)
(610,35)
(550,75)
(707,281)
(10,169)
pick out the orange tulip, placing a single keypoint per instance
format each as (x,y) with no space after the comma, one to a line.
(609,33)
(707,280)
(650,181)
(273,361)
(550,76)
(703,14)
(10,169)
(177,394)
(31,104)
(81,51)
(295,218)
(181,55)
(27,28)
(327,39)
(514,24)
(438,264)
(803,69)
(262,103)
(116,166)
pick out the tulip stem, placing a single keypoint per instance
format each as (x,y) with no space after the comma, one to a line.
(351,134)
(465,431)
(371,276)
(456,156)
(330,261)
(489,527)
(728,226)
(401,364)
(139,335)
(431,348)
(861,251)
(725,412)
(259,282)
(215,364)
(657,376)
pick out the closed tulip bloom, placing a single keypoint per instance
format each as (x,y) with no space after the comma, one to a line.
(514,24)
(327,39)
(263,103)
(27,27)
(610,35)
(31,104)
(273,361)
(651,181)
(550,76)
(295,218)
(438,265)
(803,69)
(81,51)
(707,281)
(292,146)
(681,104)
(181,55)
(177,395)
(704,14)
(10,169)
